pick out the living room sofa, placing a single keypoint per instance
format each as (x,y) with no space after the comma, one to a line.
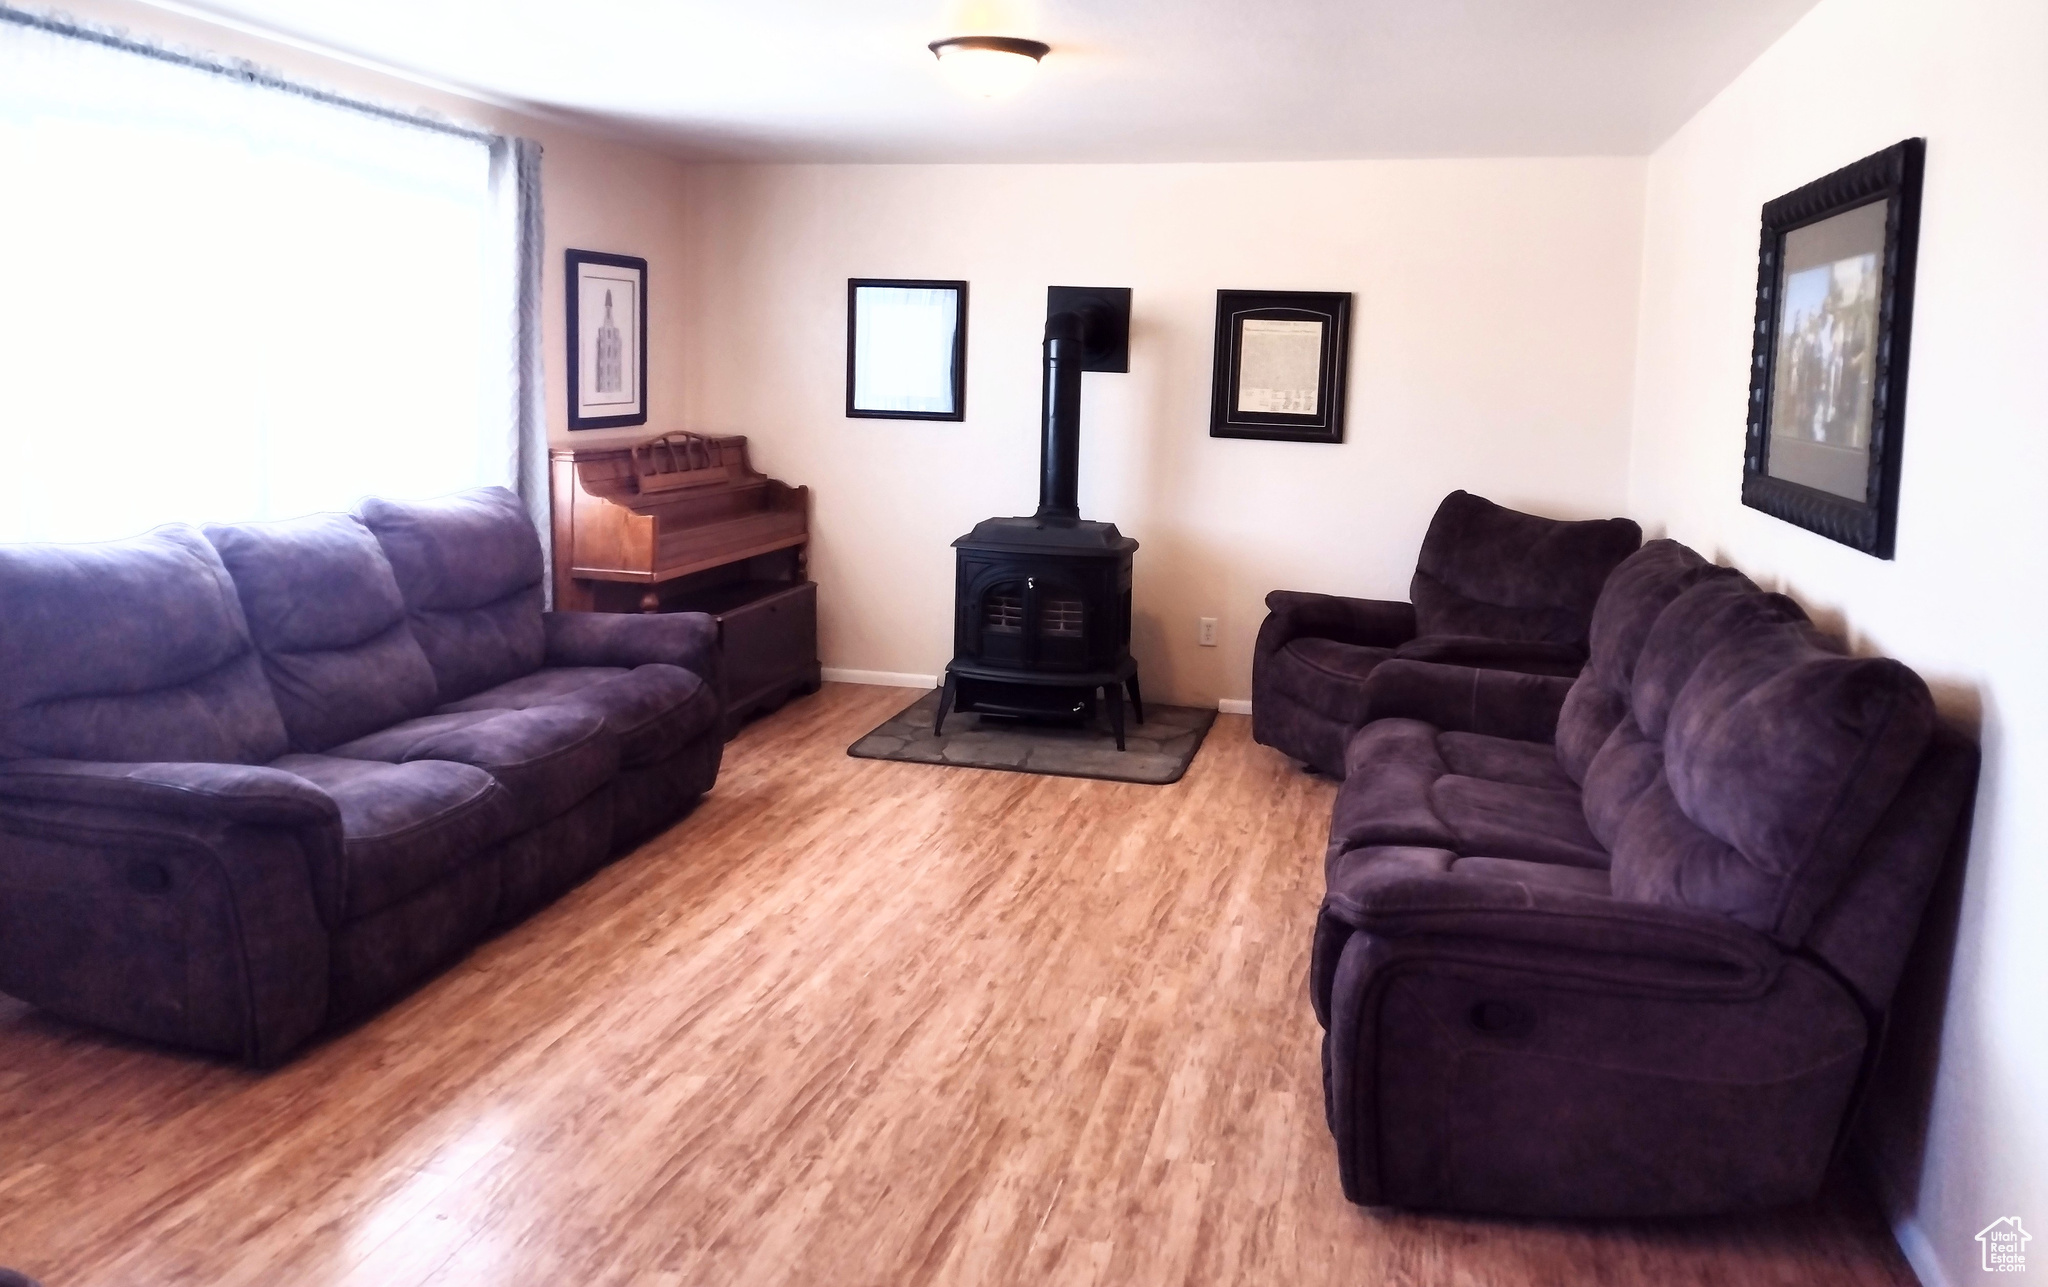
(1623,945)
(1493,588)
(257,781)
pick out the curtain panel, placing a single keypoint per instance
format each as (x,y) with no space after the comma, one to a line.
(231,297)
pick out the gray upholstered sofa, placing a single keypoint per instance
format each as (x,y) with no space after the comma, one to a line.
(259,780)
(1623,945)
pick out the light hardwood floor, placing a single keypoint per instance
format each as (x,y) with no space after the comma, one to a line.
(851,1022)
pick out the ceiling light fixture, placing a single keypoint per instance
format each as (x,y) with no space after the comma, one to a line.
(988,66)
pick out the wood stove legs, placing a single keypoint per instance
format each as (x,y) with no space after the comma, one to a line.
(1112,686)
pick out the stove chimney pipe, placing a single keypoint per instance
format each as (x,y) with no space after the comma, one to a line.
(1059,463)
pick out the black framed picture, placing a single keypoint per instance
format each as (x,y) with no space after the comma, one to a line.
(1827,376)
(1280,360)
(607,339)
(906,349)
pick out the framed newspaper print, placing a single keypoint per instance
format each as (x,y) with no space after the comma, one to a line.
(1280,365)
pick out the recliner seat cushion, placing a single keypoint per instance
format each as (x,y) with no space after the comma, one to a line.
(132,650)
(405,827)
(1401,789)
(469,567)
(548,759)
(326,615)
(654,710)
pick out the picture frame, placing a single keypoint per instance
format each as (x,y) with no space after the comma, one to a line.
(607,338)
(1280,365)
(1827,377)
(906,348)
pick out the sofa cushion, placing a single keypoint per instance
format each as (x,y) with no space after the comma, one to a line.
(1488,570)
(1400,790)
(469,567)
(549,758)
(405,827)
(1581,880)
(1629,605)
(653,710)
(1708,614)
(129,650)
(1501,759)
(327,617)
(1779,758)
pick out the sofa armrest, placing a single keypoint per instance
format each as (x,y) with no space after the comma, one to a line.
(184,903)
(237,793)
(1467,699)
(1370,623)
(686,639)
(1589,936)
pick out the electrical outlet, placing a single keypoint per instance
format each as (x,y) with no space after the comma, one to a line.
(1207,637)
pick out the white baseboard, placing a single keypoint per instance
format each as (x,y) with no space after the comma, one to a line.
(1234,705)
(885,678)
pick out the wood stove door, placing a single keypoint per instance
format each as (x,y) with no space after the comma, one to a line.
(1059,617)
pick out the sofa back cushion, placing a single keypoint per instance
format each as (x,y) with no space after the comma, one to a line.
(469,567)
(328,621)
(1778,758)
(1498,573)
(1630,602)
(1708,614)
(129,650)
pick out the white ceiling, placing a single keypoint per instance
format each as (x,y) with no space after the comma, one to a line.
(1128,80)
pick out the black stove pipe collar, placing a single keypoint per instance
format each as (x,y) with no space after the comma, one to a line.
(1059,457)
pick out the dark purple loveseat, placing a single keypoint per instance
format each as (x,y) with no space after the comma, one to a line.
(258,781)
(1623,946)
(1493,588)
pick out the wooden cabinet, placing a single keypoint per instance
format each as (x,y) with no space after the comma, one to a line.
(682,523)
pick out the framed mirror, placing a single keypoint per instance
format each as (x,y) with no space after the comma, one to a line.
(906,349)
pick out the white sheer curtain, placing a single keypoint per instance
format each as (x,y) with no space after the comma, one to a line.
(221,300)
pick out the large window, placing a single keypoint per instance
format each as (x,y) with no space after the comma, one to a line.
(221,300)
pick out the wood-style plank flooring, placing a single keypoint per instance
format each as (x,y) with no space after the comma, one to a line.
(851,1022)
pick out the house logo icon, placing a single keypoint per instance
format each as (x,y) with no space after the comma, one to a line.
(2005,1246)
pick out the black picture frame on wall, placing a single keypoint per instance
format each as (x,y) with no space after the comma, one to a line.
(909,360)
(607,337)
(1827,376)
(1280,362)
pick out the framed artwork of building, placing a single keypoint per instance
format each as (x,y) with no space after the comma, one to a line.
(1827,372)
(607,339)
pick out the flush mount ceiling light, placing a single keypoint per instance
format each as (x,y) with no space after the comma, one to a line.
(988,66)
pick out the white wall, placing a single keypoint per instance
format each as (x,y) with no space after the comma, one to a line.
(1963,600)
(1493,322)
(598,194)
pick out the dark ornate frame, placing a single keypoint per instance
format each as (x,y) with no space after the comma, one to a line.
(959,411)
(1233,307)
(1867,525)
(571,260)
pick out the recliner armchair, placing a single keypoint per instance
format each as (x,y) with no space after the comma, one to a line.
(1493,588)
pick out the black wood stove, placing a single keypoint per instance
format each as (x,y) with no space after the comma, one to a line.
(1042,605)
